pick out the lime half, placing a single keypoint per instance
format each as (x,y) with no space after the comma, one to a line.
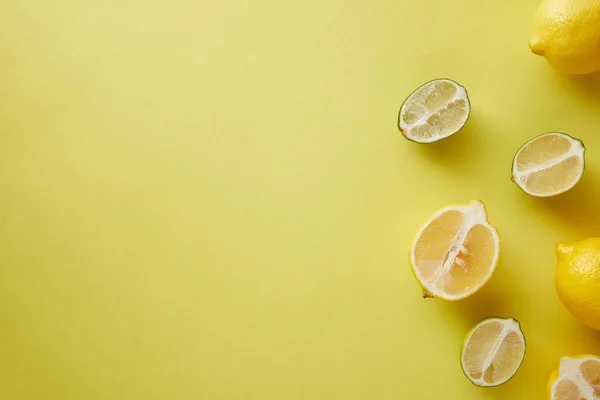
(434,111)
(549,164)
(493,351)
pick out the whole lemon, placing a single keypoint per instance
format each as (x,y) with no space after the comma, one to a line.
(578,279)
(567,33)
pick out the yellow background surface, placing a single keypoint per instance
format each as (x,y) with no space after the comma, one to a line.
(211,200)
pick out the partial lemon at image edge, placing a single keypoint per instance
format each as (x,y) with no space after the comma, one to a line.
(434,111)
(567,33)
(456,252)
(549,165)
(578,280)
(493,351)
(576,378)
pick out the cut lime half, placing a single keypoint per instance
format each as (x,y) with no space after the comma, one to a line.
(434,111)
(493,351)
(549,164)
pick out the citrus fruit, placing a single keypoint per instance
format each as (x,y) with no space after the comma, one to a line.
(577,378)
(434,111)
(455,253)
(493,351)
(549,164)
(567,33)
(578,280)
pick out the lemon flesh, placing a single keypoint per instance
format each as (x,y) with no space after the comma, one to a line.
(577,378)
(578,280)
(567,33)
(549,164)
(493,352)
(456,252)
(434,111)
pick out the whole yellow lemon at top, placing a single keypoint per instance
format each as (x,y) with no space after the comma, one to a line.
(567,33)
(578,280)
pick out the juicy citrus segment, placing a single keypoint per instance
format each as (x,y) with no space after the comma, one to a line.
(530,156)
(473,263)
(590,371)
(549,164)
(566,389)
(434,111)
(556,179)
(456,252)
(578,378)
(434,242)
(493,351)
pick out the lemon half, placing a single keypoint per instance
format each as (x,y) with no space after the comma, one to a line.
(493,351)
(577,378)
(434,111)
(455,253)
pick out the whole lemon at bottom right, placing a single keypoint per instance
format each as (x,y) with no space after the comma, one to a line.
(567,33)
(578,279)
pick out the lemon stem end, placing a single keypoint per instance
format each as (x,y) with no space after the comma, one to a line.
(536,47)
(563,250)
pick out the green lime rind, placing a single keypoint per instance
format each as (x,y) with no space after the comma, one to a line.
(416,90)
(468,336)
(541,196)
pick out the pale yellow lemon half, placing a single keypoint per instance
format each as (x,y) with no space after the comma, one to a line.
(455,253)
(577,378)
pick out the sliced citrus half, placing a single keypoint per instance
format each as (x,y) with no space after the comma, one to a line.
(549,164)
(493,351)
(434,111)
(455,253)
(577,378)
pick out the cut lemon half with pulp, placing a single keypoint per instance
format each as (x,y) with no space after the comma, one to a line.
(493,351)
(549,164)
(456,252)
(434,111)
(576,379)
